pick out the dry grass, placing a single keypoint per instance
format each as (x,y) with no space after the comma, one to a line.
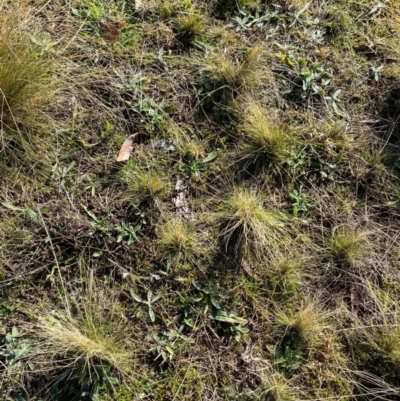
(179,242)
(349,245)
(188,28)
(143,185)
(248,226)
(301,302)
(225,73)
(23,86)
(88,346)
(309,321)
(264,142)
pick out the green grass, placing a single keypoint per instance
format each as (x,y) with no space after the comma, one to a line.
(349,245)
(225,73)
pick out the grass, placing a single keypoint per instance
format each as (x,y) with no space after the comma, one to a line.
(22,74)
(88,348)
(278,388)
(189,28)
(247,225)
(224,73)
(348,245)
(284,274)
(307,322)
(249,247)
(179,242)
(144,186)
(264,142)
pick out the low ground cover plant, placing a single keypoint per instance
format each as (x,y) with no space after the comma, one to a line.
(199,200)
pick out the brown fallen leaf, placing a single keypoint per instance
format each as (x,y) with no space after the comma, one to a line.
(109,32)
(128,146)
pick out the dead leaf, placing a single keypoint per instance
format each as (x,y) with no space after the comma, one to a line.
(128,146)
(138,4)
(109,32)
(247,268)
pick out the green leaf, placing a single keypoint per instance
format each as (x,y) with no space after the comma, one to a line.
(152,315)
(197,286)
(90,213)
(12,207)
(215,303)
(113,381)
(222,316)
(31,366)
(14,332)
(211,156)
(135,296)
(157,297)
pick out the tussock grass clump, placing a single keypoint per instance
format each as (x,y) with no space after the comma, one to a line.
(145,185)
(22,72)
(86,349)
(167,9)
(284,274)
(264,142)
(179,241)
(381,333)
(307,322)
(189,28)
(247,226)
(277,387)
(225,73)
(348,245)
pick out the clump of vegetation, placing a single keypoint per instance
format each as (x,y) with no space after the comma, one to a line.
(243,242)
(348,245)
(189,28)
(307,322)
(143,185)
(87,350)
(247,226)
(179,243)
(264,142)
(284,274)
(224,73)
(277,387)
(22,73)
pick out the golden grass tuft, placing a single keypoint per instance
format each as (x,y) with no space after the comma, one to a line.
(22,72)
(144,185)
(179,241)
(284,274)
(189,27)
(348,245)
(248,227)
(278,388)
(224,72)
(263,141)
(307,322)
(85,342)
